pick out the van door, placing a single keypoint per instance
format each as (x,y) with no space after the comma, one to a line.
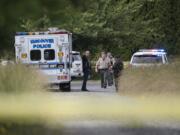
(42,50)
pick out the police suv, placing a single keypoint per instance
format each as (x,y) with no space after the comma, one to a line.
(149,57)
(77,65)
(49,52)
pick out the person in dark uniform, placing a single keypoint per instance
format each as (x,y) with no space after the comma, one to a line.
(110,76)
(117,69)
(86,69)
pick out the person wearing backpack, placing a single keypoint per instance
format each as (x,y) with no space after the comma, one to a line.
(117,70)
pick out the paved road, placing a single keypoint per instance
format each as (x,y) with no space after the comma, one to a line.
(115,128)
(93,127)
(92,86)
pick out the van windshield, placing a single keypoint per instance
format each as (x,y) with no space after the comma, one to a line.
(76,57)
(147,59)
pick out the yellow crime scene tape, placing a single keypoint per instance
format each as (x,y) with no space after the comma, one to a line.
(51,108)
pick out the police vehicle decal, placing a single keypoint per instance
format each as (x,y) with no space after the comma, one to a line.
(42,43)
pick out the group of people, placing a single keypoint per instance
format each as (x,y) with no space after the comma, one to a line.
(107,66)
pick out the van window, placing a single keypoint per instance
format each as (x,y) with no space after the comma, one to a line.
(35,55)
(49,54)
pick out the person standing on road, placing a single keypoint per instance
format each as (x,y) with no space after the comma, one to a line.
(86,69)
(117,68)
(110,71)
(102,66)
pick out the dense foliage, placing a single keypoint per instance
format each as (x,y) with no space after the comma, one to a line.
(120,26)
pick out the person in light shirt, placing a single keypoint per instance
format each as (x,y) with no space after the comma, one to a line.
(102,66)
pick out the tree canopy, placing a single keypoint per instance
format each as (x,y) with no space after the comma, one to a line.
(120,26)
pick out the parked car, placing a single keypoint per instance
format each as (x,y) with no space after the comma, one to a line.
(149,57)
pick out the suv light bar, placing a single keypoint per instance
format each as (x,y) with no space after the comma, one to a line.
(152,50)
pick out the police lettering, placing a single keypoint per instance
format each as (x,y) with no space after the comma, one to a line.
(38,46)
(37,41)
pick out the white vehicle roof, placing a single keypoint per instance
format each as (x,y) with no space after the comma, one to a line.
(50,32)
(75,52)
(151,52)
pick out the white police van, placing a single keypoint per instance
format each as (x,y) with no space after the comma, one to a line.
(149,57)
(49,52)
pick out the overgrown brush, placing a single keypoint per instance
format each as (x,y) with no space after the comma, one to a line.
(159,80)
(19,79)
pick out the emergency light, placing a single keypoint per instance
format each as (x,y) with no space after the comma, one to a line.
(24,55)
(60,54)
(64,77)
(40,33)
(152,50)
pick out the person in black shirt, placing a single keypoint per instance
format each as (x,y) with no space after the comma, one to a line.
(117,69)
(86,69)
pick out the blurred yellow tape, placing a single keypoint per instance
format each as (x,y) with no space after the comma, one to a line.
(50,108)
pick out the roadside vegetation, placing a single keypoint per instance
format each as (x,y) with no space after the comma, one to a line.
(15,79)
(31,113)
(151,81)
(26,129)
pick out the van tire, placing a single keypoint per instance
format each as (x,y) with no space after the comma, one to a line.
(66,87)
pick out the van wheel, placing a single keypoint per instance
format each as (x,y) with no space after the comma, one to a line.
(66,87)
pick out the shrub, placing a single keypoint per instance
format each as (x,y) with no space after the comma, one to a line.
(162,80)
(18,79)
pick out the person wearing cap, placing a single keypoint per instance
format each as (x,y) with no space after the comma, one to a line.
(102,66)
(117,70)
(86,69)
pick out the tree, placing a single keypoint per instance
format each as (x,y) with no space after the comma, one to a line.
(119,26)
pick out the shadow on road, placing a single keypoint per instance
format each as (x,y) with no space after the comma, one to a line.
(92,86)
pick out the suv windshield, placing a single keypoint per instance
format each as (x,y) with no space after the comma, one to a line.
(76,57)
(147,59)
